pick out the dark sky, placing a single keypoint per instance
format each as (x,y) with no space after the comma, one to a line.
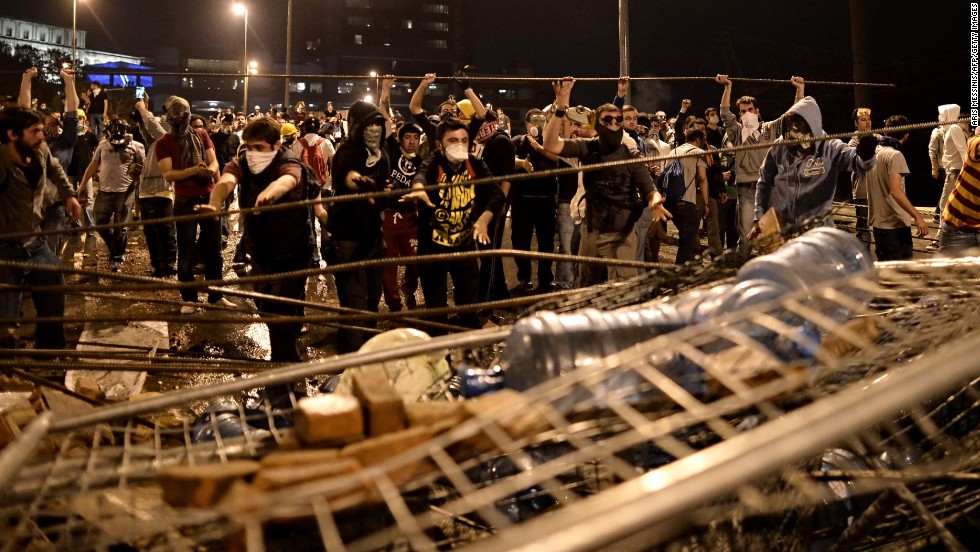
(921,46)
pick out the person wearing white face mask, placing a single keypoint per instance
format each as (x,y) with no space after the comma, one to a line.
(278,241)
(453,219)
(744,130)
(360,165)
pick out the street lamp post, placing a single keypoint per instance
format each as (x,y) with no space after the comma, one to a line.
(253,68)
(74,30)
(240,9)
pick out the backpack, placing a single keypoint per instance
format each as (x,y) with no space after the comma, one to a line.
(671,182)
(312,156)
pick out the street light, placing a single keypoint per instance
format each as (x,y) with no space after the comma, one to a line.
(74,30)
(240,9)
(374,75)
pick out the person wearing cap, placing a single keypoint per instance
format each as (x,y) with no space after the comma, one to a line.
(290,135)
(186,157)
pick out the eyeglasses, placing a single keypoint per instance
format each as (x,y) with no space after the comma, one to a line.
(609,119)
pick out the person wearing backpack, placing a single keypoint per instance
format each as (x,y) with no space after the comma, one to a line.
(681,182)
(317,153)
(278,241)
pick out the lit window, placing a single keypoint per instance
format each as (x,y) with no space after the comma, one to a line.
(407,24)
(345,88)
(358,39)
(301,87)
(438,44)
(316,88)
(436,26)
(309,44)
(436,8)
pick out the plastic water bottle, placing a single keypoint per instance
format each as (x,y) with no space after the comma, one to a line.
(548,345)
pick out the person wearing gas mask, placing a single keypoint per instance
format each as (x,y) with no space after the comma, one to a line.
(119,162)
(533,207)
(278,241)
(61,135)
(747,129)
(360,165)
(615,196)
(453,219)
(798,179)
(186,157)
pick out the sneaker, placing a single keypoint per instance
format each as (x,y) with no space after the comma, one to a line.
(932,247)
(188,309)
(115,266)
(223,303)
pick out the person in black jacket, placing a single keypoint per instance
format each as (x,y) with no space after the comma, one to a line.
(360,165)
(453,219)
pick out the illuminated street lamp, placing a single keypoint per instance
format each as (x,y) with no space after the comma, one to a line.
(374,75)
(74,30)
(240,9)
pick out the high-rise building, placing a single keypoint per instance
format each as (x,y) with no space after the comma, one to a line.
(358,37)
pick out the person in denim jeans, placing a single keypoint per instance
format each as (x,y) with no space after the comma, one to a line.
(117,160)
(29,177)
(960,228)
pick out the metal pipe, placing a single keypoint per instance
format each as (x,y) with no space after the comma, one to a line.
(16,454)
(684,485)
(285,375)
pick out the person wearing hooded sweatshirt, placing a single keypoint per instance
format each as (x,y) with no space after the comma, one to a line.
(360,165)
(799,180)
(186,157)
(615,196)
(748,129)
(954,148)
(453,219)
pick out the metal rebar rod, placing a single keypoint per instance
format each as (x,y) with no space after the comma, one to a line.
(681,486)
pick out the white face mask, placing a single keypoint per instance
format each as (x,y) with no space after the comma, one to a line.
(259,160)
(713,120)
(372,137)
(534,131)
(457,153)
(750,121)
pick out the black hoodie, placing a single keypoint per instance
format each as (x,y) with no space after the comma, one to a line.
(357,220)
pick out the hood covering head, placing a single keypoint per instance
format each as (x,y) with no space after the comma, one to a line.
(362,114)
(810,111)
(949,113)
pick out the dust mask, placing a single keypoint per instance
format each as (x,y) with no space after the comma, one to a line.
(258,161)
(457,153)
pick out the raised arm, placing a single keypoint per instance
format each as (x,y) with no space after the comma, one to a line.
(799,84)
(622,88)
(24,98)
(553,141)
(479,110)
(415,104)
(384,102)
(71,95)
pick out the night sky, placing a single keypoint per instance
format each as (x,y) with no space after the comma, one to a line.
(922,47)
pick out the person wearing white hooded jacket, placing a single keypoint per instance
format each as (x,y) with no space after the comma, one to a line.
(798,181)
(954,148)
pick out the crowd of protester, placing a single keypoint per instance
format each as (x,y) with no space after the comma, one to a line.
(88,166)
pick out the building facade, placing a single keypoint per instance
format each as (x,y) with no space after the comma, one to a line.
(56,41)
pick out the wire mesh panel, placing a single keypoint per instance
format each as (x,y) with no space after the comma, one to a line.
(842,418)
